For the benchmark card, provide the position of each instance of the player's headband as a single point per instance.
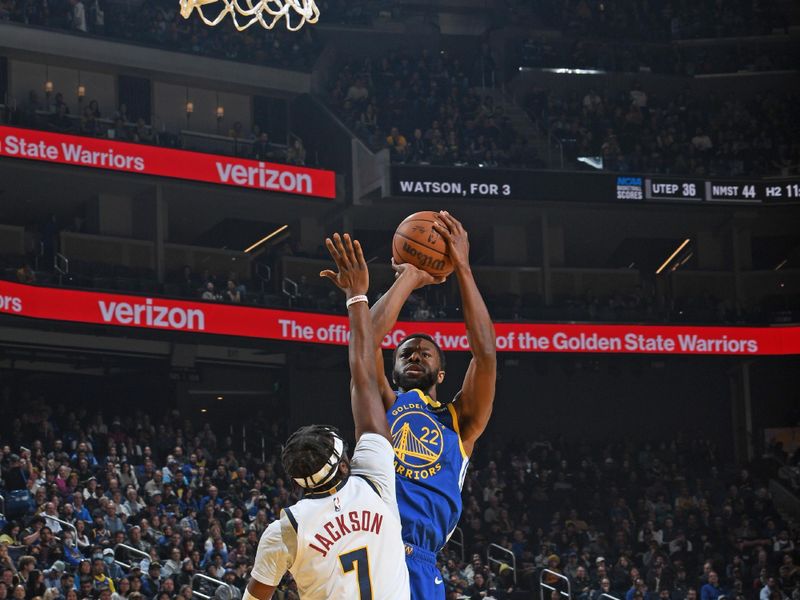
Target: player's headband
(328, 470)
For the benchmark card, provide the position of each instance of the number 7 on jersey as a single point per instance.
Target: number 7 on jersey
(359, 560)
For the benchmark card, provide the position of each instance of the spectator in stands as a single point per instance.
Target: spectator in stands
(58, 102)
(30, 110)
(262, 148)
(34, 585)
(210, 293)
(232, 293)
(397, 144)
(59, 121)
(122, 113)
(89, 125)
(78, 16)
(53, 575)
(296, 155)
(143, 134)
(113, 518)
(94, 109)
(25, 274)
(358, 92)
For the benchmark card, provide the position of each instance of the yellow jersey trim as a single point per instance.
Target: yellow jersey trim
(427, 399)
(453, 414)
(435, 404)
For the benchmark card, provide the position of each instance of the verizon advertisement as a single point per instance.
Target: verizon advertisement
(223, 319)
(165, 162)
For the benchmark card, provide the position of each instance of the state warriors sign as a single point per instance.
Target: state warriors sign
(418, 441)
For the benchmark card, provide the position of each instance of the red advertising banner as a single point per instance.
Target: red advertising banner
(224, 319)
(113, 155)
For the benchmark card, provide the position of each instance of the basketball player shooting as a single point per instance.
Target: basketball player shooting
(433, 437)
(343, 539)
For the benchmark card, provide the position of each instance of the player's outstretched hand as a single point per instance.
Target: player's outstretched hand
(353, 275)
(455, 236)
(423, 278)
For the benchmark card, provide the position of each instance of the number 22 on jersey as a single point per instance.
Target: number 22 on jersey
(359, 560)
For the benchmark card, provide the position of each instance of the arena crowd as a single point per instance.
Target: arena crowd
(133, 506)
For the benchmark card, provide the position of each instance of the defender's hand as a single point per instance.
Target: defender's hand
(421, 277)
(455, 236)
(353, 275)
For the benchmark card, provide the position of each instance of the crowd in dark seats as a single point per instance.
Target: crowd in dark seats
(663, 19)
(688, 132)
(207, 286)
(350, 12)
(118, 124)
(642, 521)
(426, 108)
(669, 521)
(621, 56)
(159, 23)
(174, 492)
(639, 305)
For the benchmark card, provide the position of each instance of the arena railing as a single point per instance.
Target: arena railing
(784, 499)
(217, 583)
(132, 550)
(459, 543)
(263, 274)
(608, 596)
(63, 523)
(496, 561)
(543, 585)
(61, 265)
(290, 289)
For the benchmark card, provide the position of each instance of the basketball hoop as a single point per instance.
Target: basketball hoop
(264, 12)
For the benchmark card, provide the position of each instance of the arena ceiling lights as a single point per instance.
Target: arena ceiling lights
(673, 255)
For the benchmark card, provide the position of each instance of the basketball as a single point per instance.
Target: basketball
(418, 243)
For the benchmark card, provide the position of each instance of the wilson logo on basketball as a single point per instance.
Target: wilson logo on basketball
(423, 259)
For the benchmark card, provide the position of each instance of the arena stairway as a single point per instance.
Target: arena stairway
(521, 122)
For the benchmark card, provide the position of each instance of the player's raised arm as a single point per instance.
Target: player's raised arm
(353, 280)
(475, 400)
(386, 311)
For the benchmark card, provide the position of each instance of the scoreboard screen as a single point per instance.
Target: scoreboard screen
(728, 191)
(528, 185)
(674, 189)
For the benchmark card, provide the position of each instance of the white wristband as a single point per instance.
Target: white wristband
(356, 300)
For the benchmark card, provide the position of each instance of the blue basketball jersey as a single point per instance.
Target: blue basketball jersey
(430, 464)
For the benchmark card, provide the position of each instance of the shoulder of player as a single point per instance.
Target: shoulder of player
(363, 479)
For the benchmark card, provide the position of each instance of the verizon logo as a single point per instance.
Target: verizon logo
(262, 177)
(152, 315)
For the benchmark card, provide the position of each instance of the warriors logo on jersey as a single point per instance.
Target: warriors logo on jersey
(417, 440)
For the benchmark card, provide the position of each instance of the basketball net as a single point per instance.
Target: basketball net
(264, 12)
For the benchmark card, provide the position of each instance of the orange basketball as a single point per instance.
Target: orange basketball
(418, 243)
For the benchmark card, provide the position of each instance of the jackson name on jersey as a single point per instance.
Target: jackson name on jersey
(355, 521)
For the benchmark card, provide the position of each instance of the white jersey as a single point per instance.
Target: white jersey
(345, 543)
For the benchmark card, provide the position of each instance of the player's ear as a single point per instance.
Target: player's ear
(439, 377)
(344, 467)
